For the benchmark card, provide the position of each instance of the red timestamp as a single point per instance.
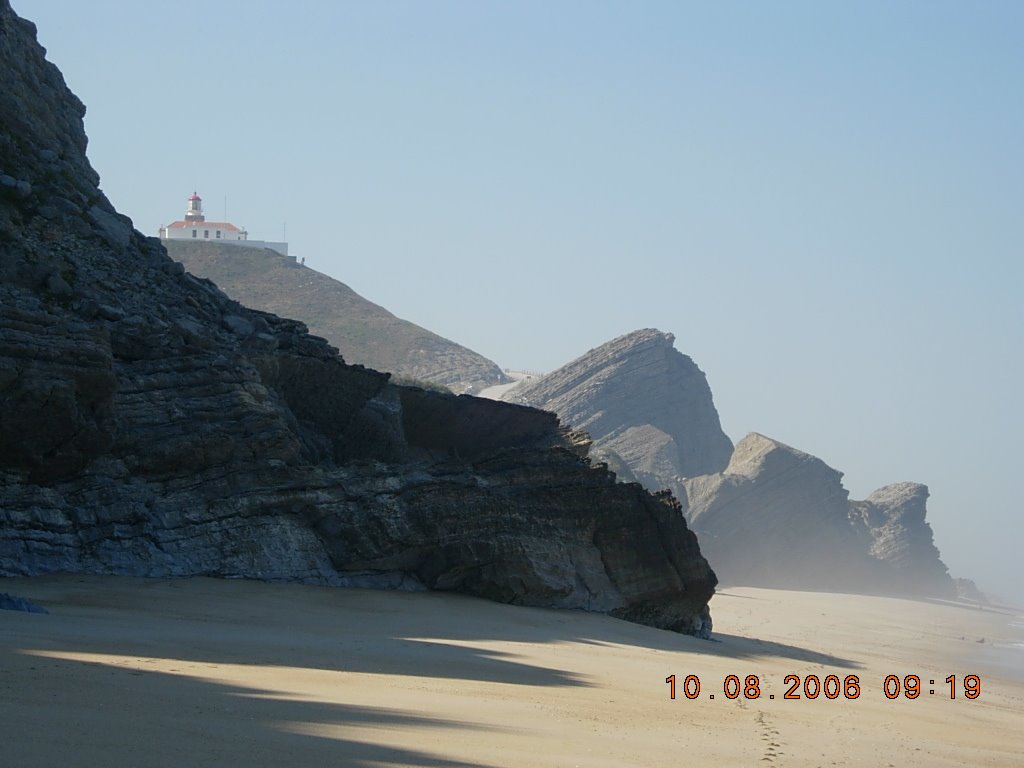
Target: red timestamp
(829, 687)
(911, 686)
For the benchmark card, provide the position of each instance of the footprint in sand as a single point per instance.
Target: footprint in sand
(769, 734)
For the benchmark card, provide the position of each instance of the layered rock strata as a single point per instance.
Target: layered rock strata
(780, 517)
(777, 516)
(891, 522)
(766, 513)
(151, 426)
(647, 407)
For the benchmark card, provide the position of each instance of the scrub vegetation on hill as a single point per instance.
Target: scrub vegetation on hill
(365, 333)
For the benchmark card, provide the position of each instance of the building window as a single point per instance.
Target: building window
(218, 234)
(206, 234)
(193, 233)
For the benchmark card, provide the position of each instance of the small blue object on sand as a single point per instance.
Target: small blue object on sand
(12, 603)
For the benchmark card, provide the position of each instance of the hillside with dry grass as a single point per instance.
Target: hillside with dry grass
(365, 333)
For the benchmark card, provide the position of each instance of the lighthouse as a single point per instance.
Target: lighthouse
(195, 227)
(194, 212)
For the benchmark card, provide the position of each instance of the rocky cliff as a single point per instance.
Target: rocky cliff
(766, 513)
(776, 517)
(150, 425)
(891, 522)
(364, 332)
(779, 517)
(647, 407)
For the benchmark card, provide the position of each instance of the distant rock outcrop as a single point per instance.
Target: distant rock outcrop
(779, 517)
(966, 589)
(892, 523)
(776, 517)
(647, 407)
(766, 513)
(364, 332)
(151, 426)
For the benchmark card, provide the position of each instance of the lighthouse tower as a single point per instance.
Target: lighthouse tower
(194, 212)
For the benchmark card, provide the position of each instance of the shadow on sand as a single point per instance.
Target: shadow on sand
(163, 719)
(203, 623)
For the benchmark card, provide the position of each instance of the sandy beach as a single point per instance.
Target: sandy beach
(133, 672)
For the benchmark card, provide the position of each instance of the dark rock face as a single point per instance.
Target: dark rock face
(151, 426)
(779, 517)
(647, 407)
(364, 332)
(470, 427)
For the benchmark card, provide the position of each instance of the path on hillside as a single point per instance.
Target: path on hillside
(497, 391)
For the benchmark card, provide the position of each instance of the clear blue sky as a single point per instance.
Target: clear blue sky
(823, 201)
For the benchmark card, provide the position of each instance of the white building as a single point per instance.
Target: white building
(196, 227)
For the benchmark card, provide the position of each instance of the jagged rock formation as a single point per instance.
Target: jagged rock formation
(776, 517)
(150, 425)
(364, 332)
(766, 514)
(892, 523)
(647, 407)
(779, 517)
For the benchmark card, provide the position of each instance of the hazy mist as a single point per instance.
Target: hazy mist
(822, 203)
